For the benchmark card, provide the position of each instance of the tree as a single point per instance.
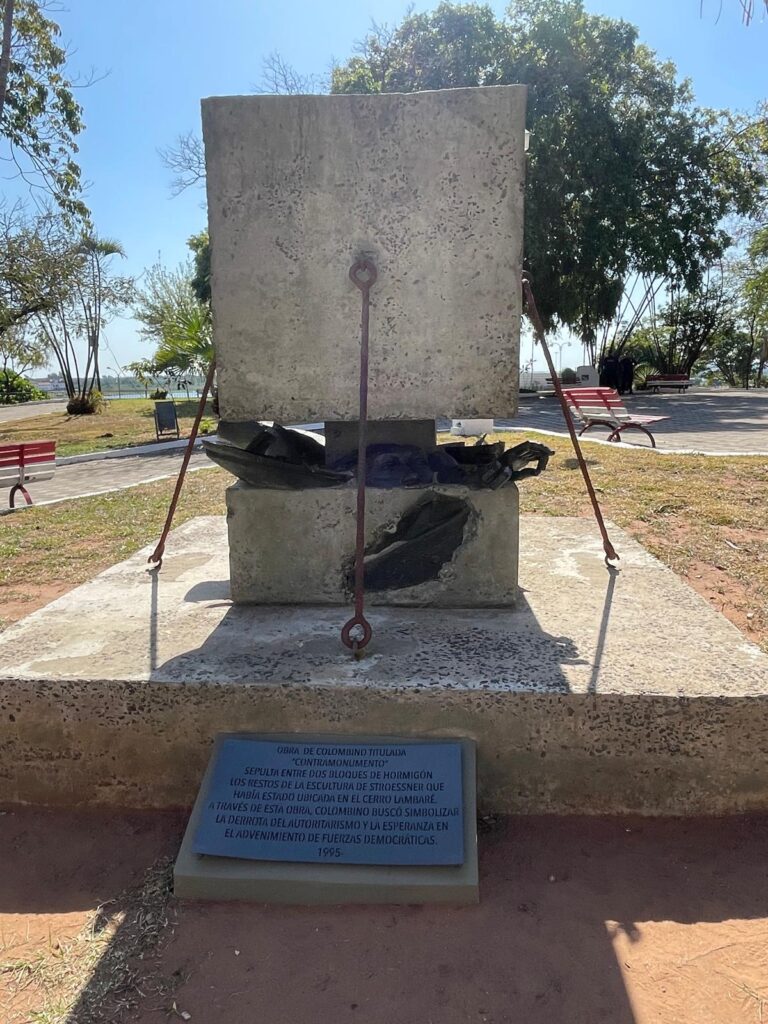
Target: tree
(684, 330)
(753, 272)
(35, 260)
(174, 317)
(733, 353)
(626, 175)
(201, 254)
(748, 9)
(186, 161)
(91, 296)
(39, 116)
(185, 158)
(20, 352)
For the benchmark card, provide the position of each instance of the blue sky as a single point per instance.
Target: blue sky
(162, 56)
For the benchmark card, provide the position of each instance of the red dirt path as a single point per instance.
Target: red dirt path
(581, 921)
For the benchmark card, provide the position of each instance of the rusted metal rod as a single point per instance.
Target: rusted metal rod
(538, 328)
(157, 554)
(363, 275)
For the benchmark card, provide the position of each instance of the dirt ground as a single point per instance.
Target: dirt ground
(581, 921)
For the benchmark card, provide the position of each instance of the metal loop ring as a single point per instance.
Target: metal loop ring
(363, 274)
(355, 643)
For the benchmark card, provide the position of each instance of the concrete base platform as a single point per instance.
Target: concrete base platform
(200, 877)
(601, 692)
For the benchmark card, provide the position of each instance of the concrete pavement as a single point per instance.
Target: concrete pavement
(13, 413)
(87, 478)
(699, 421)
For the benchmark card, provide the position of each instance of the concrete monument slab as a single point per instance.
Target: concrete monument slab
(430, 185)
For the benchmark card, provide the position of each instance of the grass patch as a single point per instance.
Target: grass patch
(125, 422)
(703, 516)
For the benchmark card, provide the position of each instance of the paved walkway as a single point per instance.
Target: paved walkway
(699, 421)
(111, 474)
(12, 413)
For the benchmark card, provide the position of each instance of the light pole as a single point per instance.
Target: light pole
(108, 347)
(117, 371)
(560, 345)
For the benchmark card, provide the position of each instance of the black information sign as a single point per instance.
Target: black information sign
(333, 801)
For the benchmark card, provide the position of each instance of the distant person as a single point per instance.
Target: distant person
(626, 375)
(609, 372)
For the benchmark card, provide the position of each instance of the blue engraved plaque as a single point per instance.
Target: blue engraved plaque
(334, 801)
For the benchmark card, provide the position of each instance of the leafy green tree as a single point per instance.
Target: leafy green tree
(175, 319)
(39, 116)
(15, 389)
(92, 294)
(750, 276)
(733, 353)
(201, 253)
(626, 175)
(35, 261)
(20, 352)
(684, 330)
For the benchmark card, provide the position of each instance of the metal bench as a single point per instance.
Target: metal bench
(656, 381)
(602, 407)
(25, 463)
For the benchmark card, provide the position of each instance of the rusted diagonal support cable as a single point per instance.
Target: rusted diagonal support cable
(538, 327)
(363, 274)
(157, 554)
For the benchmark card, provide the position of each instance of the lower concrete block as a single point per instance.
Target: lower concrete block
(297, 547)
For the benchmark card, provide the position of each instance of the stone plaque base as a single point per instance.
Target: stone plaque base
(199, 876)
(297, 547)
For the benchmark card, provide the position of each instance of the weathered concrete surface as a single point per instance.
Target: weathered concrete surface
(293, 547)
(230, 878)
(602, 693)
(431, 185)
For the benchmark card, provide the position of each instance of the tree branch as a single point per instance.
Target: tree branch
(5, 53)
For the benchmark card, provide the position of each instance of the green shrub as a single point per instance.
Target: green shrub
(87, 405)
(158, 394)
(15, 389)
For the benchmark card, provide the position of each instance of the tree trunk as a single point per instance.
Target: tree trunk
(5, 52)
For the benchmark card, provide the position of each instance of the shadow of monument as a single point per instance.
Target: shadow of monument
(458, 649)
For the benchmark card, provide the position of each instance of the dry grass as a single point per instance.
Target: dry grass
(704, 517)
(125, 422)
(101, 975)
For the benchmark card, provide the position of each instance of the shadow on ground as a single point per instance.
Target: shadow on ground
(581, 920)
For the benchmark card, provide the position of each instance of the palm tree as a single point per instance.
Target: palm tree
(176, 320)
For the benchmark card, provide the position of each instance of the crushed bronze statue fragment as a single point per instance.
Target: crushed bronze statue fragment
(271, 457)
(425, 539)
(284, 459)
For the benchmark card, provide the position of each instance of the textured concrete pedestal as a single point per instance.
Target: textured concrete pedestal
(598, 693)
(297, 547)
(430, 186)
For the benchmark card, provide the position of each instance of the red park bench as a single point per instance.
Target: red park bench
(658, 381)
(602, 407)
(25, 463)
